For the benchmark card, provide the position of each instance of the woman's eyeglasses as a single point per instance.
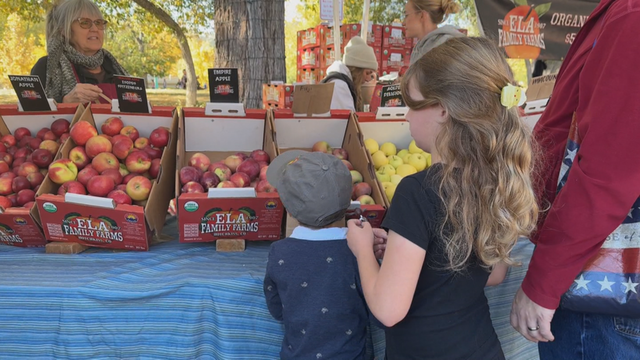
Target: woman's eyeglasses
(86, 23)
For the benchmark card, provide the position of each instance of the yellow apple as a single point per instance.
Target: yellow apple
(406, 170)
(418, 161)
(379, 159)
(371, 145)
(389, 169)
(395, 179)
(395, 161)
(414, 149)
(388, 149)
(428, 156)
(405, 157)
(383, 176)
(389, 189)
(402, 153)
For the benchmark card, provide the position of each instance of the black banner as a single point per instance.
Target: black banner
(391, 96)
(30, 92)
(223, 86)
(132, 94)
(528, 30)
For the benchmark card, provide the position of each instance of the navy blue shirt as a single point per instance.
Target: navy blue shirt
(312, 285)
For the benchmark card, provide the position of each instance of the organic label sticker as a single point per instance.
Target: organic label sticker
(191, 206)
(49, 207)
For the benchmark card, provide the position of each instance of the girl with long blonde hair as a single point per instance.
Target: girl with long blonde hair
(452, 226)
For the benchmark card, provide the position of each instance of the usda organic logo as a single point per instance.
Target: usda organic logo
(191, 206)
(49, 207)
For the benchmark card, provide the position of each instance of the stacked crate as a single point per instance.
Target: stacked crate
(396, 49)
(309, 71)
(277, 96)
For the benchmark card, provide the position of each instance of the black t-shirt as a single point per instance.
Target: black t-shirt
(449, 315)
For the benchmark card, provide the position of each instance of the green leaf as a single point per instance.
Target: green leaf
(521, 2)
(542, 9)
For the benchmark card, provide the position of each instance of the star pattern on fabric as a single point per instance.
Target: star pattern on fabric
(329, 260)
(318, 356)
(606, 284)
(304, 284)
(571, 154)
(353, 286)
(269, 288)
(324, 310)
(280, 262)
(349, 332)
(630, 286)
(582, 283)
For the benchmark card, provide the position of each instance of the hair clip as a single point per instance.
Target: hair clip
(512, 95)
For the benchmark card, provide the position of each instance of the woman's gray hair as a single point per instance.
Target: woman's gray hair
(61, 17)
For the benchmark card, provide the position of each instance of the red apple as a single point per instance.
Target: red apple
(115, 175)
(141, 143)
(82, 131)
(4, 167)
(8, 174)
(347, 163)
(79, 157)
(117, 138)
(138, 188)
(242, 156)
(360, 189)
(61, 171)
(192, 187)
(100, 185)
(50, 145)
(120, 197)
(122, 148)
(3, 148)
(263, 173)
(14, 199)
(8, 140)
(226, 184)
(223, 172)
(260, 155)
(21, 132)
(232, 162)
(73, 187)
(340, 153)
(17, 162)
(5, 203)
(97, 145)
(154, 170)
(6, 157)
(12, 149)
(42, 158)
(209, 180)
(128, 178)
(60, 127)
(249, 167)
(240, 179)
(200, 161)
(263, 186)
(122, 187)
(112, 126)
(24, 142)
(20, 183)
(321, 146)
(86, 174)
(25, 196)
(189, 173)
(29, 205)
(123, 170)
(159, 137)
(131, 132)
(34, 143)
(27, 168)
(49, 135)
(64, 138)
(36, 188)
(138, 162)
(23, 152)
(35, 179)
(105, 161)
(40, 134)
(154, 153)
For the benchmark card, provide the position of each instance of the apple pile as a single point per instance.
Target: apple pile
(24, 160)
(235, 171)
(361, 190)
(117, 164)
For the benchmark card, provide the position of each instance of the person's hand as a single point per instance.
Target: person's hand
(379, 242)
(83, 93)
(359, 237)
(527, 315)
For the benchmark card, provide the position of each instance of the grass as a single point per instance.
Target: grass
(157, 97)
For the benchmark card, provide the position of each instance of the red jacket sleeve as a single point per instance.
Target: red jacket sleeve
(604, 180)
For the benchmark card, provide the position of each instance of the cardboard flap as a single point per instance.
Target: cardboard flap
(304, 132)
(396, 132)
(222, 134)
(541, 87)
(312, 100)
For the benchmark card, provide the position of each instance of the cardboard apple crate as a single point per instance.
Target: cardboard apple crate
(393, 60)
(393, 37)
(308, 38)
(279, 96)
(309, 58)
(382, 131)
(226, 213)
(89, 220)
(19, 226)
(374, 35)
(340, 130)
(310, 76)
(327, 39)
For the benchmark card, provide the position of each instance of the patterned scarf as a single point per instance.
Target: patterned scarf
(60, 76)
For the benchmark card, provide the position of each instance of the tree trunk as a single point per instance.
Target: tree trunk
(250, 37)
(192, 85)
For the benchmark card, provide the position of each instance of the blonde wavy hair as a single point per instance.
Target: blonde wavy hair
(486, 151)
(438, 10)
(357, 75)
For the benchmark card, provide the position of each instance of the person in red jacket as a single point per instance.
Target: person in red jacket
(592, 127)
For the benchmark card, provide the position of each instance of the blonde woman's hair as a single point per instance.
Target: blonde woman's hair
(357, 75)
(486, 151)
(61, 16)
(438, 10)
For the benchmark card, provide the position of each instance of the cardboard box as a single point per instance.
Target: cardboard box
(327, 57)
(232, 214)
(127, 227)
(279, 96)
(309, 58)
(20, 226)
(382, 131)
(538, 94)
(339, 130)
(310, 76)
(374, 35)
(393, 60)
(308, 38)
(393, 37)
(326, 37)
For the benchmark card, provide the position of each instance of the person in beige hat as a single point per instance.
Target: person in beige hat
(358, 66)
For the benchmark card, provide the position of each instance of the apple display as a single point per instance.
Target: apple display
(138, 188)
(79, 157)
(97, 145)
(82, 131)
(159, 137)
(105, 161)
(200, 161)
(249, 167)
(60, 127)
(120, 197)
(188, 173)
(73, 187)
(112, 126)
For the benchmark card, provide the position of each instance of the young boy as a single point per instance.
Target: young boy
(311, 282)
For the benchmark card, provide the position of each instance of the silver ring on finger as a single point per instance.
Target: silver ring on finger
(533, 329)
